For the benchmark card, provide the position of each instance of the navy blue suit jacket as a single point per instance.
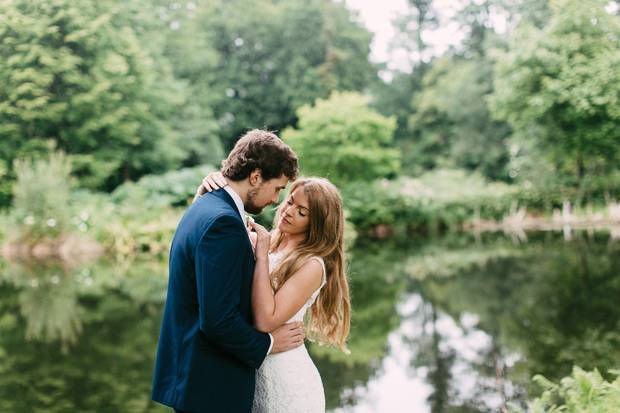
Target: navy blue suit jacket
(208, 351)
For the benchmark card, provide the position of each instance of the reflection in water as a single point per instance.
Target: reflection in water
(435, 323)
(376, 288)
(51, 314)
(432, 365)
(486, 315)
(47, 301)
(397, 388)
(75, 339)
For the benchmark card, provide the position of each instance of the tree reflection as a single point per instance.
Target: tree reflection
(551, 305)
(458, 380)
(53, 294)
(568, 313)
(51, 315)
(440, 283)
(81, 343)
(377, 281)
(439, 362)
(47, 300)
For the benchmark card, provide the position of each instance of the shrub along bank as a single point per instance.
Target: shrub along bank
(142, 216)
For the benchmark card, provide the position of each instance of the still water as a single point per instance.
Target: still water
(452, 324)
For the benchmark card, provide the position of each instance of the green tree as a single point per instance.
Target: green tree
(273, 57)
(419, 16)
(452, 120)
(190, 48)
(535, 12)
(478, 19)
(394, 99)
(343, 139)
(77, 72)
(395, 96)
(560, 85)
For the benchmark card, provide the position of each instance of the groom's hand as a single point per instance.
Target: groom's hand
(288, 336)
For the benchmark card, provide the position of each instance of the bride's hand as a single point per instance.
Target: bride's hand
(213, 181)
(263, 239)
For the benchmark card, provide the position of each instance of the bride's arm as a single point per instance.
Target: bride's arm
(271, 311)
(213, 181)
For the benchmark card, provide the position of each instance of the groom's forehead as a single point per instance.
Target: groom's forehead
(280, 182)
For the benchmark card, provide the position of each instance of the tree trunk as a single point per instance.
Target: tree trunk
(126, 172)
(578, 168)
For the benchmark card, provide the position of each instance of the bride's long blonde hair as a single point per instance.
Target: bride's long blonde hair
(330, 315)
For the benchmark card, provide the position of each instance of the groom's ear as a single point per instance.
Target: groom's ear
(256, 177)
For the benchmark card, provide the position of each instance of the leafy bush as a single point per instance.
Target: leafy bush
(443, 198)
(174, 188)
(448, 198)
(582, 391)
(41, 206)
(141, 216)
(343, 139)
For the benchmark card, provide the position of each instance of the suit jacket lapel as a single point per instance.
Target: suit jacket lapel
(226, 197)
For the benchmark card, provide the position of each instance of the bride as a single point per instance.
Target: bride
(300, 268)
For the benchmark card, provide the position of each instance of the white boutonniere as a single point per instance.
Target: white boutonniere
(248, 228)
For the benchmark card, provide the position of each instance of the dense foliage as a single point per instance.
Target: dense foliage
(79, 73)
(130, 88)
(452, 121)
(273, 57)
(582, 391)
(147, 87)
(343, 139)
(559, 86)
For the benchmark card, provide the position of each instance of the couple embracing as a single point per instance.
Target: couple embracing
(233, 328)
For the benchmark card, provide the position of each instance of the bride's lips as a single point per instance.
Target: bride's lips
(285, 220)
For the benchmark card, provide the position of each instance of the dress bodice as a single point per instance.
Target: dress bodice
(274, 258)
(289, 382)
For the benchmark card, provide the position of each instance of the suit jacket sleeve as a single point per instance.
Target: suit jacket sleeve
(219, 272)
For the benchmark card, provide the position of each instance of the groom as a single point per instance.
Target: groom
(208, 351)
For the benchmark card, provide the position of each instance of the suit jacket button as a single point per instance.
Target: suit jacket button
(251, 362)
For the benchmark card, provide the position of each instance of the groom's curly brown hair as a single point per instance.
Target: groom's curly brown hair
(263, 150)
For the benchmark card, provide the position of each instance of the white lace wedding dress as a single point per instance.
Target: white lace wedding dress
(289, 382)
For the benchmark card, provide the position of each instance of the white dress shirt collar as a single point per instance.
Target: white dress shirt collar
(238, 202)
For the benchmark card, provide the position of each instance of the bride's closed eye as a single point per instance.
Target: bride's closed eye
(288, 201)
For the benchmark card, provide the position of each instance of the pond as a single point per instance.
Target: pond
(451, 324)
